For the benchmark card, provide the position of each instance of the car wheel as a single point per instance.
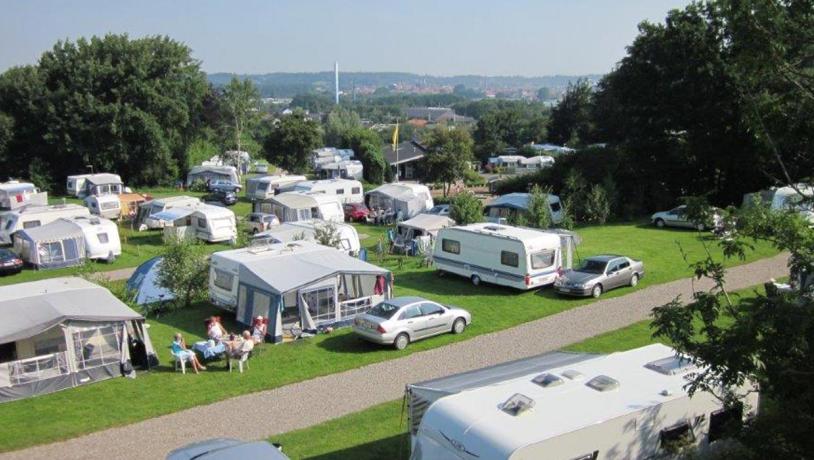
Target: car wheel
(401, 342)
(458, 326)
(659, 223)
(475, 280)
(634, 280)
(596, 291)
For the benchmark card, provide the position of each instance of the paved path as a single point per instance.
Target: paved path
(120, 274)
(313, 401)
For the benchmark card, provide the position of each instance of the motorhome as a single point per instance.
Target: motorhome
(210, 223)
(506, 208)
(347, 238)
(261, 188)
(149, 208)
(102, 240)
(348, 191)
(296, 206)
(345, 169)
(517, 257)
(799, 198)
(15, 194)
(300, 284)
(405, 198)
(631, 404)
(34, 216)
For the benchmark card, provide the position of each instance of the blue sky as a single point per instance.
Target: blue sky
(452, 37)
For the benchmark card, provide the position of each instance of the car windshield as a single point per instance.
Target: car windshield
(592, 266)
(383, 310)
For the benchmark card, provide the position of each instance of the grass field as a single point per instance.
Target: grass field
(94, 407)
(381, 431)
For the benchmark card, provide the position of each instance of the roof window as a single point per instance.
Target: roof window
(572, 374)
(603, 383)
(671, 365)
(547, 380)
(517, 404)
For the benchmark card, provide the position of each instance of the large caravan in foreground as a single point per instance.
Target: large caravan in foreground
(521, 258)
(35, 216)
(631, 404)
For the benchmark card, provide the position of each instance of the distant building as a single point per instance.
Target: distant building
(406, 163)
(421, 116)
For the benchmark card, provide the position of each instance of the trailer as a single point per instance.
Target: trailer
(102, 240)
(265, 187)
(35, 216)
(15, 194)
(347, 238)
(297, 206)
(348, 191)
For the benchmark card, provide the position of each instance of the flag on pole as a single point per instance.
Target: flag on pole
(396, 136)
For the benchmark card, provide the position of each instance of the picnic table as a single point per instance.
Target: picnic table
(210, 351)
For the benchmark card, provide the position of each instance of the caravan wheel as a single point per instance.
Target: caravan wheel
(110, 258)
(475, 280)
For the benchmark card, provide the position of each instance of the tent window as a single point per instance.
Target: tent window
(71, 250)
(223, 279)
(8, 352)
(49, 346)
(321, 304)
(51, 252)
(509, 258)
(261, 303)
(97, 347)
(451, 246)
(31, 224)
(102, 238)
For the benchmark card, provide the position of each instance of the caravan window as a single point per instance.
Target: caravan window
(340, 191)
(676, 435)
(201, 222)
(555, 206)
(356, 190)
(451, 246)
(102, 237)
(223, 279)
(31, 224)
(542, 259)
(509, 258)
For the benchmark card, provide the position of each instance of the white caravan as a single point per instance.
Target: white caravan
(213, 224)
(150, 208)
(261, 188)
(107, 206)
(786, 198)
(345, 169)
(15, 194)
(75, 184)
(102, 240)
(517, 257)
(506, 207)
(348, 191)
(405, 198)
(347, 236)
(35, 216)
(631, 404)
(296, 206)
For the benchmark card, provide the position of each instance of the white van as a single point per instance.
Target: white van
(15, 194)
(102, 240)
(296, 206)
(348, 237)
(264, 187)
(107, 206)
(35, 216)
(521, 258)
(149, 208)
(348, 191)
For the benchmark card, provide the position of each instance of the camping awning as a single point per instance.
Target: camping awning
(428, 222)
(511, 201)
(28, 309)
(55, 231)
(173, 214)
(296, 200)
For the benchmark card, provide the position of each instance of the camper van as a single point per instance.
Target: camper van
(631, 404)
(505, 208)
(149, 208)
(348, 191)
(107, 206)
(347, 237)
(405, 198)
(34, 216)
(15, 194)
(213, 224)
(265, 187)
(296, 206)
(521, 258)
(101, 238)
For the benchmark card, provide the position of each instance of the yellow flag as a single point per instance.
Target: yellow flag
(396, 136)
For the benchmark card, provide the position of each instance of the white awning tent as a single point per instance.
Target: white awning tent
(56, 245)
(143, 284)
(66, 332)
(212, 173)
(409, 199)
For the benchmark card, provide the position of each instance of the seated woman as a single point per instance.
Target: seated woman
(259, 329)
(179, 349)
(215, 329)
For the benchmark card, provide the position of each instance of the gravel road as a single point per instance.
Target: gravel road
(313, 401)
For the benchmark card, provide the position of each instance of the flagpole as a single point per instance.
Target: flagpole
(396, 148)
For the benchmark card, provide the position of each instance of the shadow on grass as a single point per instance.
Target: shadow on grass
(394, 447)
(349, 344)
(449, 284)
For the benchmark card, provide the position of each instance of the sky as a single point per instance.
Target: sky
(446, 37)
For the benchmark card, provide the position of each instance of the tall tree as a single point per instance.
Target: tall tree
(449, 153)
(240, 102)
(290, 142)
(466, 208)
(339, 122)
(571, 122)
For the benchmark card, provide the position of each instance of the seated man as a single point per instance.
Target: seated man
(179, 349)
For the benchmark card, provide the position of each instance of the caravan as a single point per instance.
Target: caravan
(209, 174)
(107, 206)
(348, 191)
(405, 198)
(265, 187)
(82, 185)
(347, 238)
(213, 224)
(15, 194)
(296, 206)
(631, 404)
(102, 240)
(345, 169)
(35, 216)
(150, 208)
(521, 258)
(506, 208)
(782, 198)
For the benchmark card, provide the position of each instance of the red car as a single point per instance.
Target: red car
(356, 211)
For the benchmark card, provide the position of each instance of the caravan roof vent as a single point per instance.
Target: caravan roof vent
(517, 404)
(547, 380)
(494, 228)
(571, 374)
(671, 365)
(603, 383)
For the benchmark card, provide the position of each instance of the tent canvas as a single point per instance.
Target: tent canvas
(143, 283)
(212, 173)
(407, 199)
(56, 245)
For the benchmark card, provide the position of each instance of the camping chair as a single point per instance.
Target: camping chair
(179, 362)
(243, 358)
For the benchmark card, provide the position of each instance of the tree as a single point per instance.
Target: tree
(597, 207)
(367, 146)
(314, 103)
(290, 142)
(466, 208)
(199, 151)
(449, 153)
(539, 209)
(340, 122)
(240, 101)
(544, 94)
(6, 134)
(571, 122)
(508, 125)
(184, 270)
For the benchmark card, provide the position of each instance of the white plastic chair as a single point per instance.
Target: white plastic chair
(179, 362)
(244, 358)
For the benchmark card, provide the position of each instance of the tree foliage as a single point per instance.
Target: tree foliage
(449, 153)
(184, 270)
(539, 208)
(508, 126)
(367, 146)
(339, 122)
(571, 120)
(240, 100)
(290, 142)
(465, 208)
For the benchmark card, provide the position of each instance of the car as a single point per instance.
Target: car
(10, 263)
(439, 210)
(224, 185)
(600, 274)
(228, 448)
(221, 197)
(261, 221)
(677, 217)
(355, 212)
(402, 320)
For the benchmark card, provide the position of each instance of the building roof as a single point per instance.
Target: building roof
(428, 113)
(474, 417)
(408, 151)
(30, 308)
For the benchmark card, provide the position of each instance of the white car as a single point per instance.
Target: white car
(439, 210)
(677, 217)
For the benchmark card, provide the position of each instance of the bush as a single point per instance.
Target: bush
(539, 214)
(466, 208)
(184, 271)
(596, 208)
(473, 179)
(198, 185)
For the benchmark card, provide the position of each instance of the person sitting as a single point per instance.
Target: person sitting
(240, 346)
(180, 350)
(259, 330)
(215, 329)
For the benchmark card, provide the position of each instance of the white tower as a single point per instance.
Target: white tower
(336, 81)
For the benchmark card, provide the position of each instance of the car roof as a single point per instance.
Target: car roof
(7, 252)
(406, 300)
(604, 257)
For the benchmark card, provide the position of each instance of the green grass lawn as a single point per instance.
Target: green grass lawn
(94, 407)
(381, 431)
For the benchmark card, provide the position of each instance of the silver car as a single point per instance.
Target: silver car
(403, 320)
(677, 217)
(599, 274)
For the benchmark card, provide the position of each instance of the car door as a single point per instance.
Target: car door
(612, 275)
(625, 272)
(435, 318)
(673, 218)
(412, 319)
